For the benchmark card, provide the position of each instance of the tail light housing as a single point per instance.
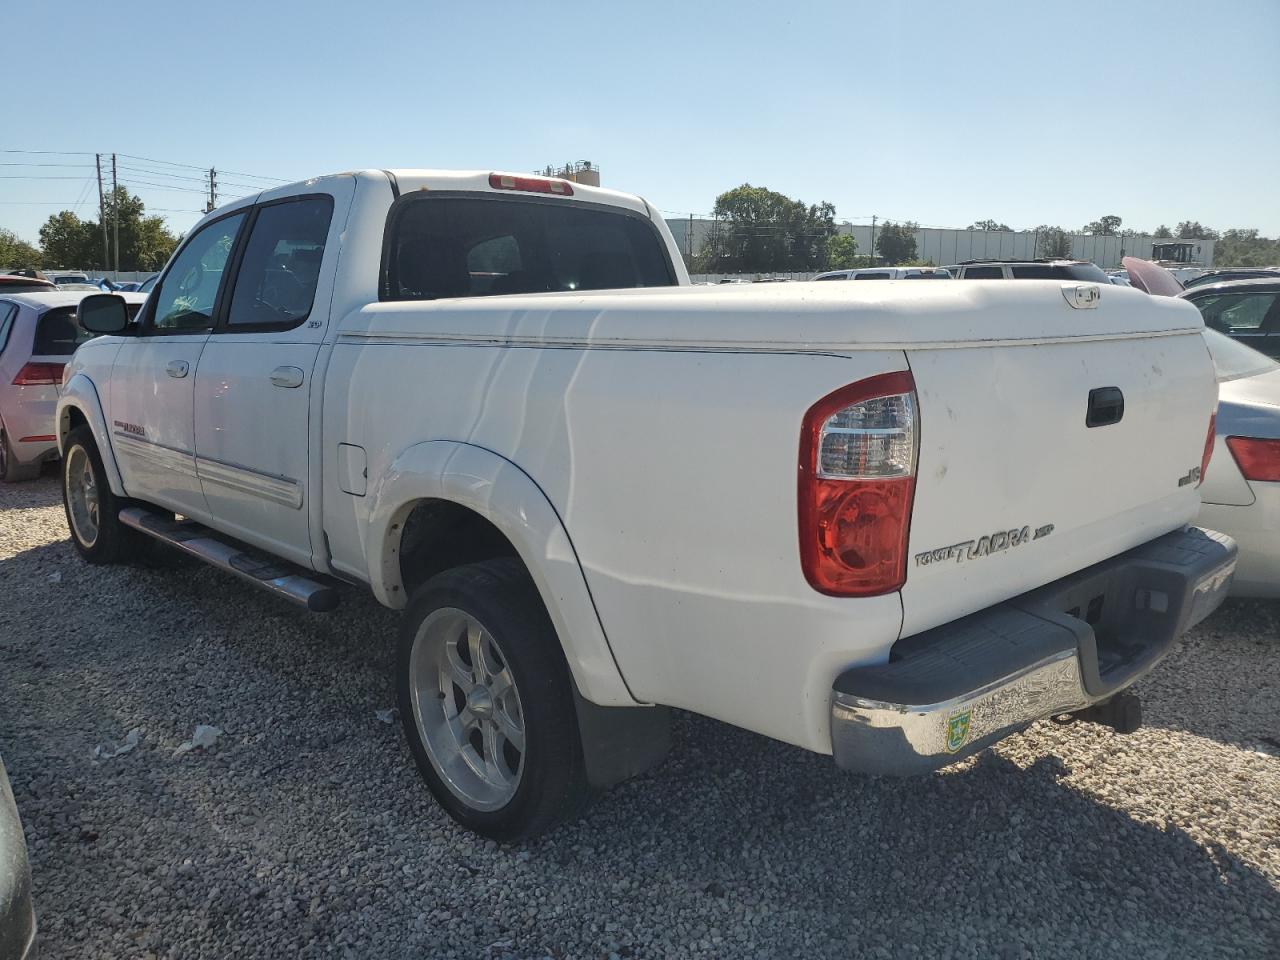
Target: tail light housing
(1258, 459)
(1210, 437)
(857, 476)
(34, 373)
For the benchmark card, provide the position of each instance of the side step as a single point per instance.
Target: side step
(277, 576)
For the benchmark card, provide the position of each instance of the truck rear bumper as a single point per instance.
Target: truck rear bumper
(956, 689)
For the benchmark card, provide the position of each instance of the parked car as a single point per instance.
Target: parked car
(1245, 310)
(887, 273)
(146, 285)
(1241, 493)
(126, 286)
(13, 283)
(1239, 273)
(38, 335)
(446, 387)
(61, 278)
(1041, 269)
(17, 916)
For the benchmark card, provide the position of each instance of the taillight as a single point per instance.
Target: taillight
(507, 181)
(857, 483)
(1257, 459)
(1208, 445)
(32, 374)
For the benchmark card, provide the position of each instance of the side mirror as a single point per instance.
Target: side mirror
(103, 313)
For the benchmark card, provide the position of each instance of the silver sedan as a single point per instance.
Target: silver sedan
(1241, 491)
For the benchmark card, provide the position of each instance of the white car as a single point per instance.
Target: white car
(1241, 491)
(38, 335)
(868, 520)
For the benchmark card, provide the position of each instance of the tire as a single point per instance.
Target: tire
(466, 743)
(11, 471)
(92, 509)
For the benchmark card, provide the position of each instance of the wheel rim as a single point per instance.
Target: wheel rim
(467, 708)
(82, 496)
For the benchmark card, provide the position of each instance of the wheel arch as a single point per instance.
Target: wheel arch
(79, 405)
(490, 497)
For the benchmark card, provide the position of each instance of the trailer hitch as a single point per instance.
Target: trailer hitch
(1122, 713)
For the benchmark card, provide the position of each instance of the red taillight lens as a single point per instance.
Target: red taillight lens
(1258, 459)
(32, 374)
(507, 181)
(1211, 436)
(857, 484)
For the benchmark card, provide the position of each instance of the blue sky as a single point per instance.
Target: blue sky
(1025, 112)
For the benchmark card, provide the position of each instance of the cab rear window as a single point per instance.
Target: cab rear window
(479, 246)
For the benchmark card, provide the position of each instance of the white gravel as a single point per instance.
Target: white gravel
(302, 830)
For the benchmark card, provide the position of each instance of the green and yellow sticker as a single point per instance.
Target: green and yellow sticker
(958, 727)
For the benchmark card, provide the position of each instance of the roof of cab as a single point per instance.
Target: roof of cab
(477, 181)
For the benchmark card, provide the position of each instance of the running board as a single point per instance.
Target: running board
(274, 575)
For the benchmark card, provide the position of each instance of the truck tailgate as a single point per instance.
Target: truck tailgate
(1014, 489)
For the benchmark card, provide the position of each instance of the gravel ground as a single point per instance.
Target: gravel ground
(305, 831)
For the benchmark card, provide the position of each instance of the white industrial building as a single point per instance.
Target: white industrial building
(952, 246)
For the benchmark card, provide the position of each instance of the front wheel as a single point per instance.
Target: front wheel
(487, 702)
(92, 509)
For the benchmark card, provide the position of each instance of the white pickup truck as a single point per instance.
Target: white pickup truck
(890, 522)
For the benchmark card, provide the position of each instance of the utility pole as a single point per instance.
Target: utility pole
(213, 191)
(873, 239)
(102, 209)
(688, 240)
(115, 211)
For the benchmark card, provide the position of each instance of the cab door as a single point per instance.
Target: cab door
(152, 380)
(254, 382)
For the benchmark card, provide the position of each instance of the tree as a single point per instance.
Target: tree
(145, 242)
(989, 225)
(896, 242)
(1052, 242)
(1195, 230)
(758, 230)
(1242, 247)
(1162, 232)
(1105, 226)
(842, 253)
(68, 241)
(16, 253)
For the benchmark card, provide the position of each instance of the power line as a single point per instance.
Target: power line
(15, 163)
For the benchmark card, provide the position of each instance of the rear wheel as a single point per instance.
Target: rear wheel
(92, 509)
(11, 471)
(487, 703)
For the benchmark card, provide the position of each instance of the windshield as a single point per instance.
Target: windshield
(1233, 360)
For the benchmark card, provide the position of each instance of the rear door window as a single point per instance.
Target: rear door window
(275, 286)
(480, 246)
(874, 275)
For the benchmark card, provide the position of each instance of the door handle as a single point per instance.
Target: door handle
(177, 368)
(286, 377)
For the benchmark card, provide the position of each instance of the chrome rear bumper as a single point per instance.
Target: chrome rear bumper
(954, 690)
